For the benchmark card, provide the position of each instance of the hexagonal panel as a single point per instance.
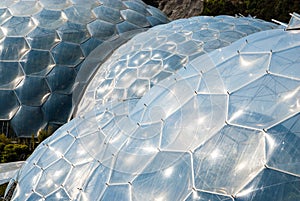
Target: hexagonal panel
(43, 39)
(25, 8)
(27, 121)
(56, 4)
(101, 29)
(67, 54)
(235, 153)
(108, 14)
(9, 104)
(11, 74)
(33, 91)
(50, 19)
(75, 33)
(135, 18)
(38, 62)
(12, 48)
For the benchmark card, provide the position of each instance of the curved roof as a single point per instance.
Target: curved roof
(156, 54)
(43, 44)
(224, 127)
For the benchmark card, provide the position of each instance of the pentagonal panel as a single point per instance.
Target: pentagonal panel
(18, 26)
(75, 33)
(38, 62)
(283, 145)
(68, 54)
(101, 29)
(11, 75)
(9, 104)
(13, 48)
(50, 19)
(61, 79)
(27, 121)
(25, 8)
(33, 91)
(43, 39)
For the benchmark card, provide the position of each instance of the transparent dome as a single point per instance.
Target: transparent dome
(43, 44)
(225, 127)
(156, 54)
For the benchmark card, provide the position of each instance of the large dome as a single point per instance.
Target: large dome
(43, 43)
(156, 54)
(225, 127)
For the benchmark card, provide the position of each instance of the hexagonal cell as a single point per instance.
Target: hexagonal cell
(126, 78)
(25, 8)
(13, 48)
(9, 104)
(11, 75)
(221, 26)
(89, 45)
(71, 32)
(275, 98)
(283, 145)
(33, 91)
(205, 35)
(61, 79)
(56, 4)
(58, 108)
(108, 14)
(101, 29)
(51, 179)
(27, 121)
(50, 19)
(139, 7)
(163, 173)
(4, 15)
(38, 63)
(139, 58)
(18, 26)
(67, 54)
(135, 18)
(126, 26)
(235, 153)
(270, 184)
(116, 4)
(79, 14)
(43, 39)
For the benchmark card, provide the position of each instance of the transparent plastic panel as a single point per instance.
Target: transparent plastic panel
(235, 153)
(11, 75)
(27, 121)
(108, 14)
(56, 4)
(270, 184)
(79, 14)
(123, 27)
(18, 26)
(135, 18)
(101, 29)
(13, 49)
(117, 192)
(282, 145)
(9, 104)
(38, 63)
(74, 33)
(25, 8)
(205, 196)
(43, 39)
(50, 19)
(116, 4)
(63, 56)
(264, 102)
(137, 6)
(33, 91)
(163, 173)
(58, 195)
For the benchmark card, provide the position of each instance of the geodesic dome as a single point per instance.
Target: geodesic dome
(223, 128)
(43, 43)
(156, 54)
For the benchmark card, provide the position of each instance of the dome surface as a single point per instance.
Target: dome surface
(225, 127)
(43, 44)
(156, 54)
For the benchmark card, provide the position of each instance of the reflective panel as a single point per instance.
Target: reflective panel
(42, 46)
(158, 53)
(181, 140)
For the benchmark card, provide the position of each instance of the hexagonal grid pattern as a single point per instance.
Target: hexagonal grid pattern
(156, 54)
(43, 44)
(218, 129)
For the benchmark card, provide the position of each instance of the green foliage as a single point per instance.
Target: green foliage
(14, 152)
(264, 9)
(4, 139)
(2, 189)
(43, 134)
